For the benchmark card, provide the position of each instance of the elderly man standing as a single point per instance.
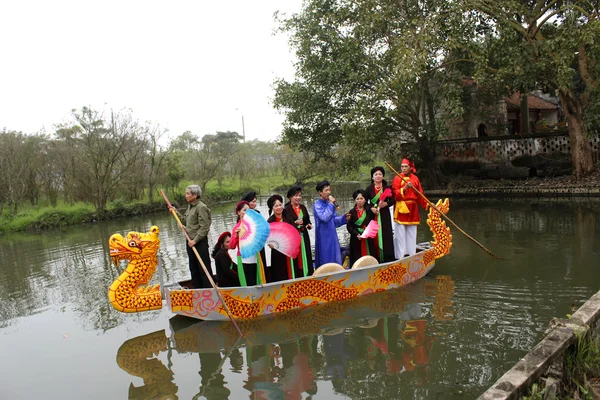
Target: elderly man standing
(197, 221)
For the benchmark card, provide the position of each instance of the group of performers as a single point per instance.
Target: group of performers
(395, 239)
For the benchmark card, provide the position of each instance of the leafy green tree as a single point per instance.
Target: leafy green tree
(544, 43)
(371, 75)
(206, 158)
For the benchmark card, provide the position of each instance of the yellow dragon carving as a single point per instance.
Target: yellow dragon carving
(442, 238)
(126, 293)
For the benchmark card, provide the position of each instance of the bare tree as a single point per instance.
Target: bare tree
(156, 157)
(16, 153)
(106, 149)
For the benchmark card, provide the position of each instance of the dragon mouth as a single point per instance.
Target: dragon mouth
(114, 257)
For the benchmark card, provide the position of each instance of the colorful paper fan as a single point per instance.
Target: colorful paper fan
(284, 238)
(254, 234)
(371, 230)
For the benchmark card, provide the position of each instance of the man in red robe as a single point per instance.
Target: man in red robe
(406, 210)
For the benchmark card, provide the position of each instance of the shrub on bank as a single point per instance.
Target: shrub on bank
(47, 217)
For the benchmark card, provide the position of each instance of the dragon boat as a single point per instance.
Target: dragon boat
(139, 356)
(130, 293)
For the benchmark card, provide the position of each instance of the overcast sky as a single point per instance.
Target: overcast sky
(185, 64)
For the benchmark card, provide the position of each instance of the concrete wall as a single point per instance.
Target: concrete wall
(546, 358)
(542, 151)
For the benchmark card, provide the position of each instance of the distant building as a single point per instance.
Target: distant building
(486, 115)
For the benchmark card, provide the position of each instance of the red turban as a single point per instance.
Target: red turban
(406, 161)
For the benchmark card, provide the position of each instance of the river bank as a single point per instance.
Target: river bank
(40, 218)
(46, 217)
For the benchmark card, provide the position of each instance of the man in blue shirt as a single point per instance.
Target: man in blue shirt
(327, 244)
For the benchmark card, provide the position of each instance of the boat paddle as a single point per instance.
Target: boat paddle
(208, 275)
(447, 218)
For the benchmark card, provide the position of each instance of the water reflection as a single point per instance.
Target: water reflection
(290, 355)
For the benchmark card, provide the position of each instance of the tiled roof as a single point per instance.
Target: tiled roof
(535, 102)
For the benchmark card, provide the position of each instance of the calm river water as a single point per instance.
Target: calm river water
(449, 336)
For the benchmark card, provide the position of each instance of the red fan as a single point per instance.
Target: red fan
(284, 238)
(371, 230)
(386, 193)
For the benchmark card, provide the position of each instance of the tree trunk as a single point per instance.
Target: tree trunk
(525, 114)
(581, 151)
(430, 174)
(151, 192)
(101, 207)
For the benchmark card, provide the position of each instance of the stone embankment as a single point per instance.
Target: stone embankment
(542, 187)
(546, 358)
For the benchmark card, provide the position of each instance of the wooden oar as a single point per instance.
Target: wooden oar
(444, 215)
(208, 275)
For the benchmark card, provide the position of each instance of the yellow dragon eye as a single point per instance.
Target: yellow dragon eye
(132, 243)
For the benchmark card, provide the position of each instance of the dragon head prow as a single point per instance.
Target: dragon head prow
(135, 245)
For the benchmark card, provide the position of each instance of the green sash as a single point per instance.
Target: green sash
(360, 230)
(380, 232)
(241, 272)
(302, 250)
(360, 221)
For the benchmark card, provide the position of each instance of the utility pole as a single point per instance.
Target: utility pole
(243, 129)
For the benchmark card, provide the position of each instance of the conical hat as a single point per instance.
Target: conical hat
(365, 261)
(329, 267)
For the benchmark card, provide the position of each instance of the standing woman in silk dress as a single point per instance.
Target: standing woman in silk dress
(379, 201)
(280, 263)
(296, 214)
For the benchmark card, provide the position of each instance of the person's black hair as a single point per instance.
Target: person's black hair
(271, 202)
(219, 243)
(249, 196)
(322, 185)
(357, 192)
(293, 190)
(375, 169)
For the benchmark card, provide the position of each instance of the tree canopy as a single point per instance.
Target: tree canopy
(373, 74)
(548, 44)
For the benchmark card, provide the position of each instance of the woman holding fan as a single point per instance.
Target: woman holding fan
(280, 263)
(379, 196)
(247, 270)
(296, 214)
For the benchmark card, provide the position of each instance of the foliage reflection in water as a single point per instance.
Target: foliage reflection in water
(286, 356)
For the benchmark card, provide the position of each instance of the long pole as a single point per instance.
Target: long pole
(443, 215)
(208, 275)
